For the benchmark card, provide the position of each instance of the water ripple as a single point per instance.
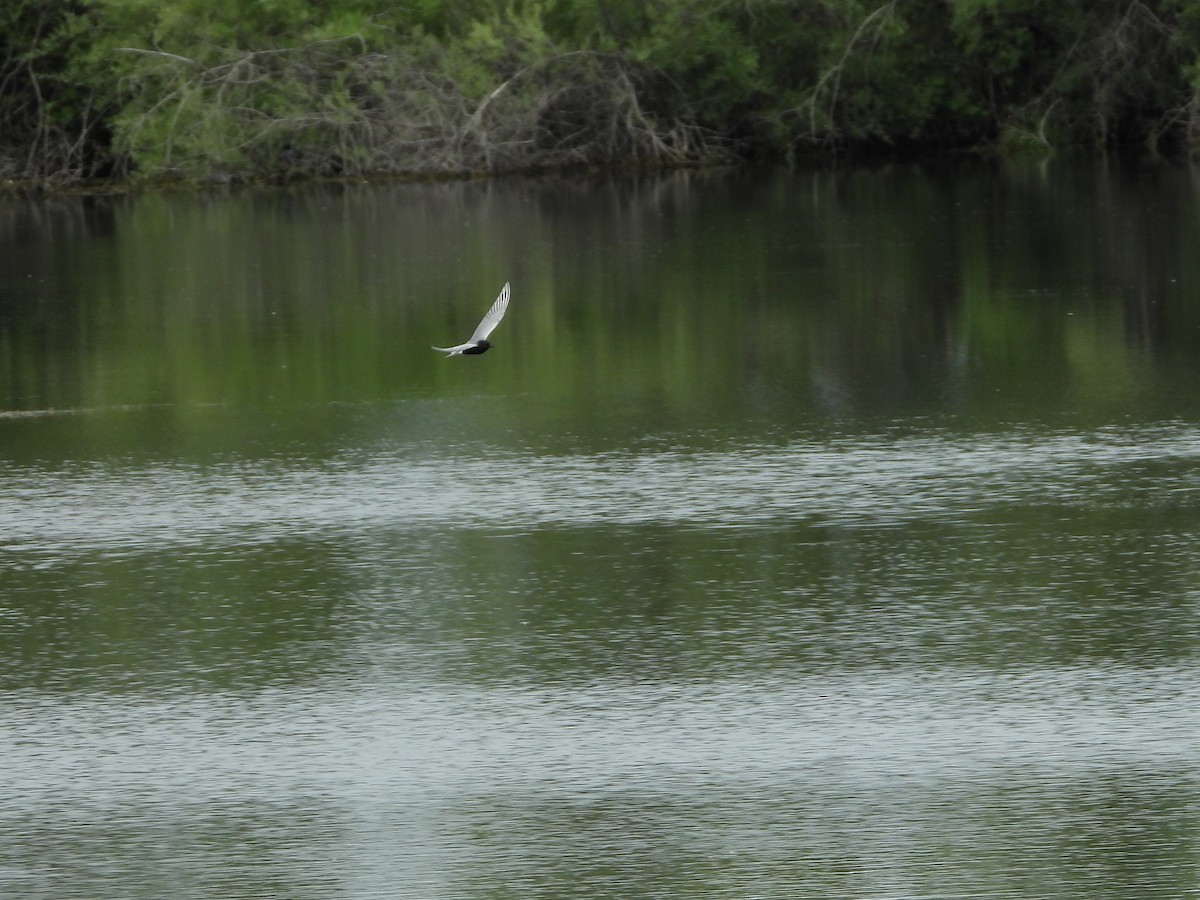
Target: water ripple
(873, 481)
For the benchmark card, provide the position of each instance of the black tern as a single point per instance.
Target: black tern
(479, 342)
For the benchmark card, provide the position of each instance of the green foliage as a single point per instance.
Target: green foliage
(233, 89)
(49, 123)
(711, 54)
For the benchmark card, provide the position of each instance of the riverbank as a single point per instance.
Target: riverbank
(114, 92)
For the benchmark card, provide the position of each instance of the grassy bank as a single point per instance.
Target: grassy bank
(234, 89)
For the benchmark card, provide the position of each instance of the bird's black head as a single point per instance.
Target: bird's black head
(480, 347)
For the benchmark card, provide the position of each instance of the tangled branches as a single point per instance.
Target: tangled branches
(358, 88)
(333, 108)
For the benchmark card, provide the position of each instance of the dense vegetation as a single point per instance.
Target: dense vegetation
(234, 89)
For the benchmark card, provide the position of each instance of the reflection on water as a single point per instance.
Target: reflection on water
(742, 567)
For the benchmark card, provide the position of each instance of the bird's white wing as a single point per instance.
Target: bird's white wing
(493, 317)
(458, 348)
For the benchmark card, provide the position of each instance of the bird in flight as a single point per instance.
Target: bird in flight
(479, 342)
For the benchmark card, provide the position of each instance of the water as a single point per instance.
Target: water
(804, 536)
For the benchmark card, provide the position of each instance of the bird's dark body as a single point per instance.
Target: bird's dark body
(478, 342)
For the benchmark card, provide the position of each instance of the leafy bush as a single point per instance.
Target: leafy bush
(229, 89)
